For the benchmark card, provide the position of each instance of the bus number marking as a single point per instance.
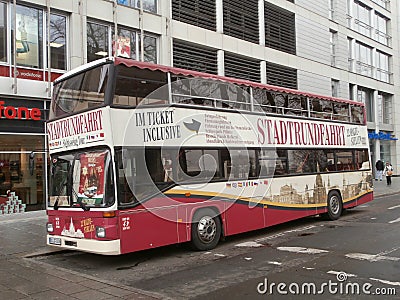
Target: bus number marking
(126, 224)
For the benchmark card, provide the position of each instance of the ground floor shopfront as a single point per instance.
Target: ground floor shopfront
(23, 157)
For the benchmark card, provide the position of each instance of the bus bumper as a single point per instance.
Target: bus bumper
(93, 246)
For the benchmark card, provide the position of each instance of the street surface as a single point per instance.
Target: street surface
(351, 258)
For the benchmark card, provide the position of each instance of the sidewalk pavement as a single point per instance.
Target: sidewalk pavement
(24, 235)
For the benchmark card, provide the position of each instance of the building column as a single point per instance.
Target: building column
(263, 70)
(220, 62)
(261, 22)
(219, 11)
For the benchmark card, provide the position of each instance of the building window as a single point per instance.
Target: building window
(363, 59)
(350, 54)
(362, 18)
(148, 5)
(331, 9)
(194, 57)
(381, 31)
(242, 67)
(333, 40)
(366, 96)
(281, 76)
(3, 32)
(335, 87)
(149, 48)
(97, 41)
(126, 44)
(386, 108)
(241, 19)
(57, 40)
(280, 29)
(200, 13)
(385, 150)
(382, 67)
(29, 37)
(383, 3)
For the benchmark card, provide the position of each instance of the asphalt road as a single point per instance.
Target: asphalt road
(308, 258)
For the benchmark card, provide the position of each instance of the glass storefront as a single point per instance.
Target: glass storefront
(20, 171)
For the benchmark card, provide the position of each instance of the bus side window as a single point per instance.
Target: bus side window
(344, 160)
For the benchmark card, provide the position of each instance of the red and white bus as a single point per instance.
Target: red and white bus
(145, 155)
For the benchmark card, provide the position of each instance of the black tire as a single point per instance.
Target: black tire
(206, 230)
(335, 206)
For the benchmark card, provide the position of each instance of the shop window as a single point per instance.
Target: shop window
(57, 40)
(29, 37)
(20, 174)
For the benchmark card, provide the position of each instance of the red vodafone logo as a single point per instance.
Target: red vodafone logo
(20, 113)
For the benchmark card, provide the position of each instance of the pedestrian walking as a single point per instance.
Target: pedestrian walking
(388, 173)
(379, 170)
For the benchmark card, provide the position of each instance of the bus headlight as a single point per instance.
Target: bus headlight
(100, 232)
(50, 227)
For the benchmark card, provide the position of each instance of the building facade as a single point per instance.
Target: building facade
(341, 48)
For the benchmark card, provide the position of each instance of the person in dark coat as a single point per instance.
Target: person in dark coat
(379, 170)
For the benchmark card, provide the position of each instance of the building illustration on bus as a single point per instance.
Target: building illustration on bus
(144, 155)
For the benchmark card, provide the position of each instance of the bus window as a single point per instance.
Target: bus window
(241, 164)
(341, 111)
(307, 161)
(362, 161)
(263, 101)
(201, 164)
(357, 114)
(297, 106)
(330, 157)
(131, 89)
(344, 160)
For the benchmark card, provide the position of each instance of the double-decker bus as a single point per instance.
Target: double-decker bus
(144, 155)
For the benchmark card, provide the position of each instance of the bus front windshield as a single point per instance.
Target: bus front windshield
(81, 179)
(81, 91)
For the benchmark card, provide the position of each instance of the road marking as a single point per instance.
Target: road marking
(394, 207)
(308, 268)
(270, 237)
(249, 244)
(300, 229)
(373, 218)
(219, 255)
(371, 257)
(386, 281)
(341, 272)
(302, 250)
(274, 263)
(394, 221)
(248, 258)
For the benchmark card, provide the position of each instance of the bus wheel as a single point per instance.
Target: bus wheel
(335, 206)
(206, 230)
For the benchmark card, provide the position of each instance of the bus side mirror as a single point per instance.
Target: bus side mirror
(31, 162)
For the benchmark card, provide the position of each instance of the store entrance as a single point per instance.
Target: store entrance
(22, 179)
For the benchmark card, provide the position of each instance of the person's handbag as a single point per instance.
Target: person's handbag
(389, 173)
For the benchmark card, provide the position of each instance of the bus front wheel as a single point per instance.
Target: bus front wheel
(335, 206)
(206, 230)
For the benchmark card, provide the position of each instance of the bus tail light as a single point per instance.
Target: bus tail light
(50, 227)
(100, 232)
(109, 214)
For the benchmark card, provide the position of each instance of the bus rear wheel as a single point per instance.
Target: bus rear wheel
(335, 206)
(206, 230)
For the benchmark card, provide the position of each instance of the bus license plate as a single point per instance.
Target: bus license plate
(55, 241)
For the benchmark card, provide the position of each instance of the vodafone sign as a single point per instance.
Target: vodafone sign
(19, 113)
